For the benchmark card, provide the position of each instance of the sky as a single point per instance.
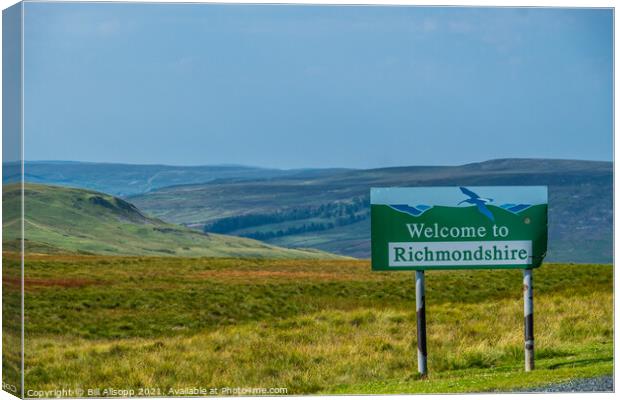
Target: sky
(315, 86)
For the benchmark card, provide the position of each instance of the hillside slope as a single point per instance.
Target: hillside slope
(331, 211)
(128, 179)
(62, 219)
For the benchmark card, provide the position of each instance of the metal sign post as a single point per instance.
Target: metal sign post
(421, 321)
(528, 320)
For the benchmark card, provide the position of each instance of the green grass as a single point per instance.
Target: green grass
(11, 324)
(329, 326)
(60, 219)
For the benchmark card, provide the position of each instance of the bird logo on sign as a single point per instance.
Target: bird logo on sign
(479, 202)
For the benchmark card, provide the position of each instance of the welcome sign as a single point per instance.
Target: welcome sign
(459, 227)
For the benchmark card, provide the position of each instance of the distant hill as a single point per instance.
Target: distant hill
(128, 179)
(330, 211)
(60, 219)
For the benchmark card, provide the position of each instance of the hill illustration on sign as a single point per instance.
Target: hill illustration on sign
(458, 227)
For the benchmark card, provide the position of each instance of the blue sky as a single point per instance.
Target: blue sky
(315, 86)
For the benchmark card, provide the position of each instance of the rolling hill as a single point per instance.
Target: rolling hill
(330, 211)
(68, 220)
(128, 179)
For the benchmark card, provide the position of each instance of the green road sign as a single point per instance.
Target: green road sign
(429, 228)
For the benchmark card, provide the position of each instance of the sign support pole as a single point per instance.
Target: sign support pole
(528, 312)
(421, 321)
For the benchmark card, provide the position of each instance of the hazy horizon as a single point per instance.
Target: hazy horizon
(323, 167)
(310, 86)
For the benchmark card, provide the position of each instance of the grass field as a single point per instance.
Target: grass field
(311, 326)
